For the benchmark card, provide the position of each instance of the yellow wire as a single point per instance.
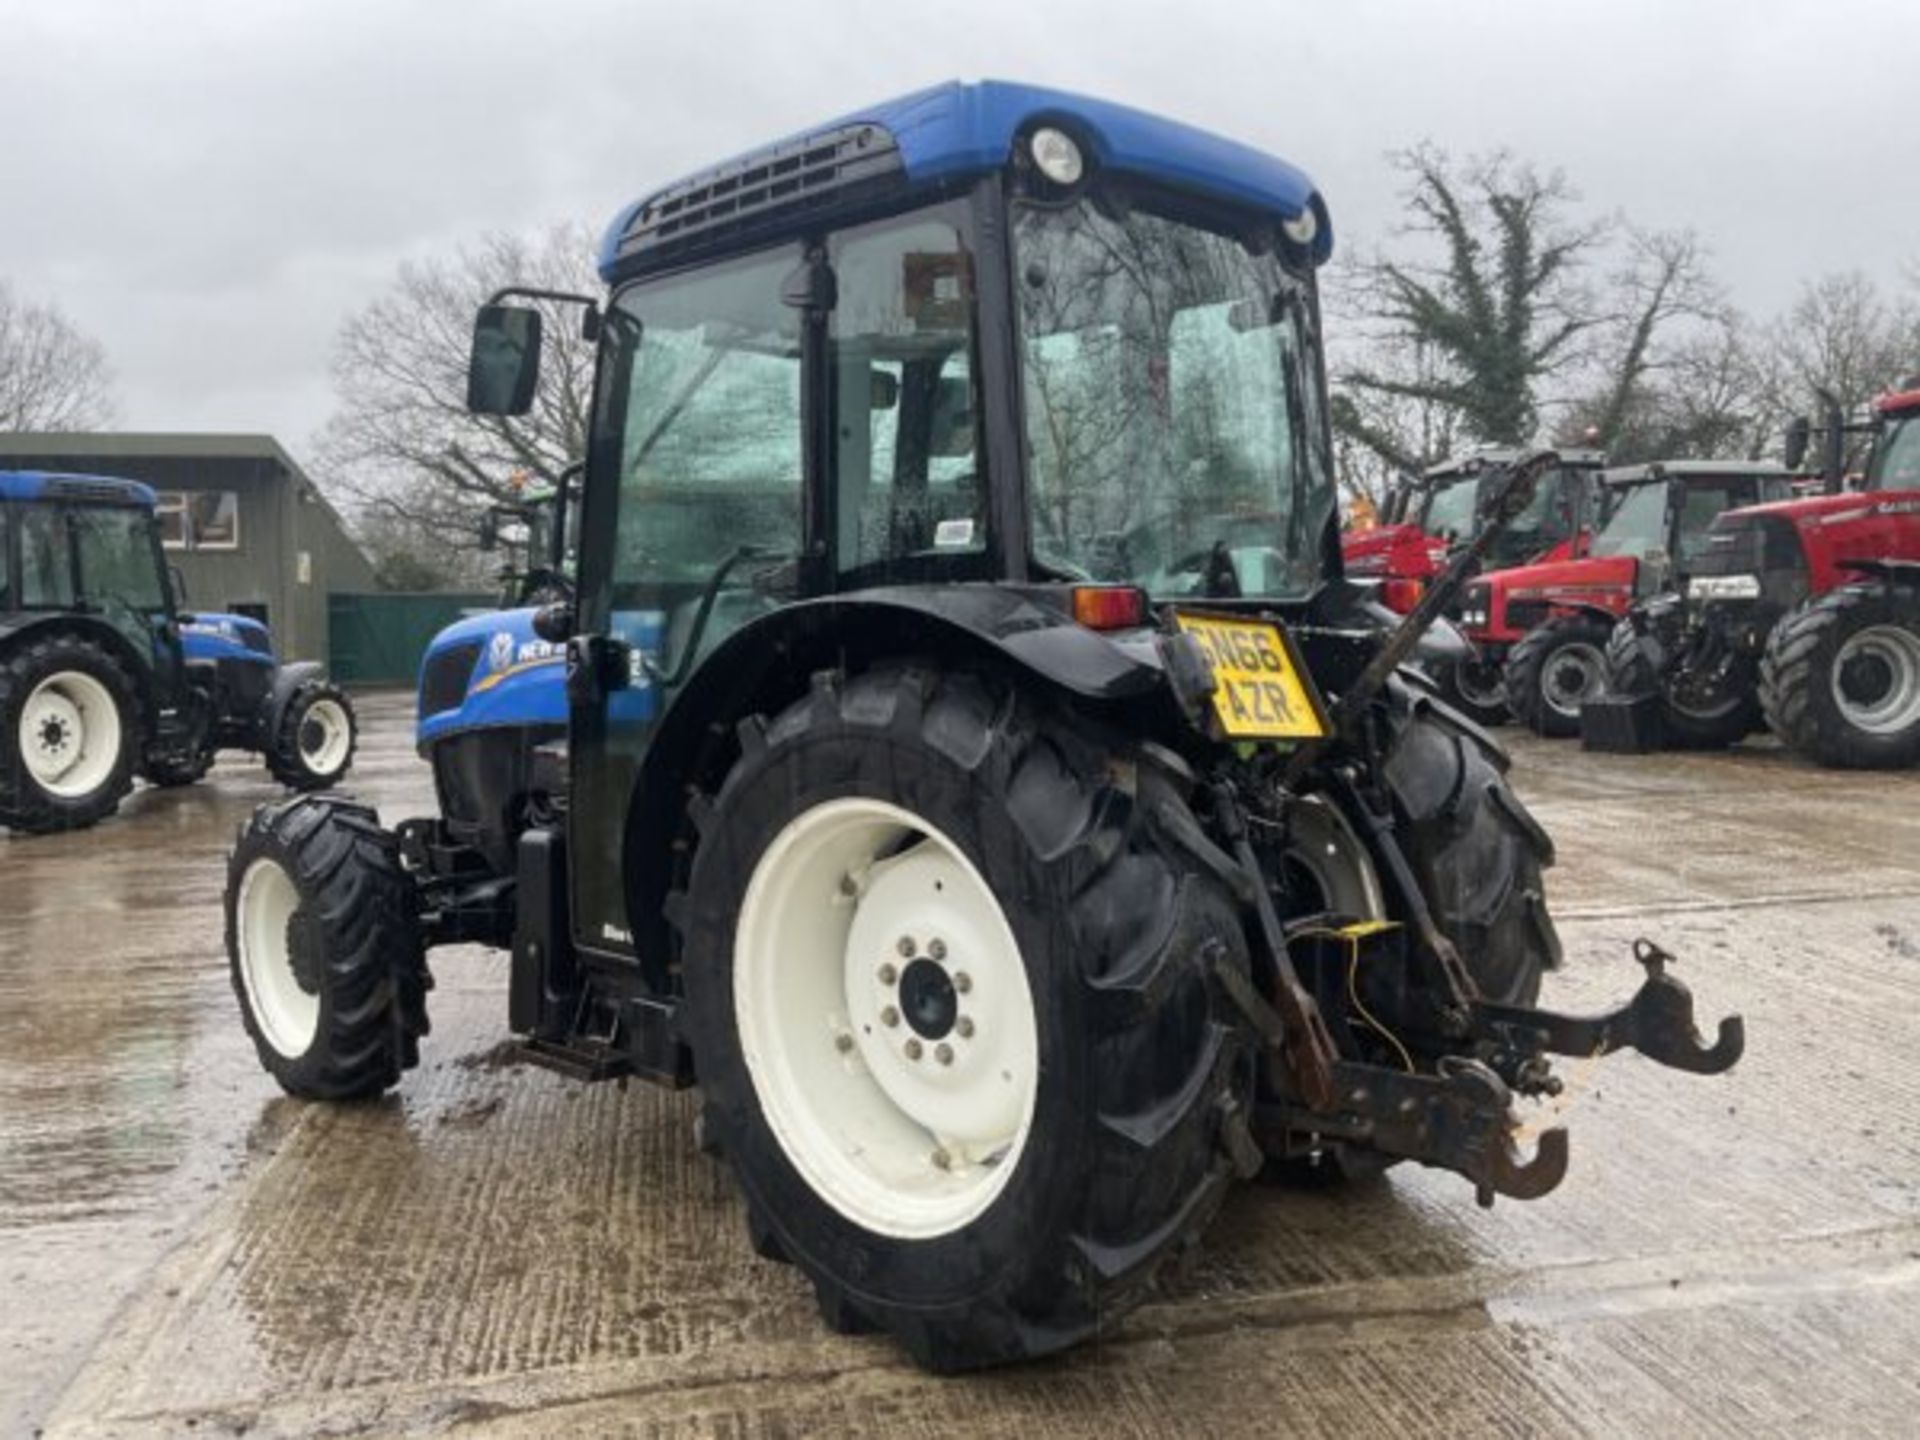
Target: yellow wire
(1352, 935)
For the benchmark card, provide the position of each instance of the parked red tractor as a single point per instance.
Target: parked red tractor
(1425, 516)
(1540, 631)
(1807, 611)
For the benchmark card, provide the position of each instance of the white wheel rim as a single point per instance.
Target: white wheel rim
(287, 1015)
(324, 736)
(1572, 675)
(1876, 679)
(69, 734)
(901, 1086)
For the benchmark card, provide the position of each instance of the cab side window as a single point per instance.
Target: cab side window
(906, 454)
(46, 559)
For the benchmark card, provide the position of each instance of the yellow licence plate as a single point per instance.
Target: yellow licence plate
(1259, 692)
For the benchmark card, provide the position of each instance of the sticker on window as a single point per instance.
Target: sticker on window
(952, 534)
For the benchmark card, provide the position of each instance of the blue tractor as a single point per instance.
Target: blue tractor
(961, 755)
(103, 679)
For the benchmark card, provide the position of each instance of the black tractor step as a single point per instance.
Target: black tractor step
(582, 1060)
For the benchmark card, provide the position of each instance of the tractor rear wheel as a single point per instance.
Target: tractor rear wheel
(951, 990)
(1553, 670)
(324, 949)
(69, 734)
(313, 746)
(1840, 679)
(1692, 721)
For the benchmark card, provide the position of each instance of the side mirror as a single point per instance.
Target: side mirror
(179, 584)
(489, 536)
(1799, 436)
(503, 369)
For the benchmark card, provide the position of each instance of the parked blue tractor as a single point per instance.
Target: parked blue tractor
(102, 678)
(961, 754)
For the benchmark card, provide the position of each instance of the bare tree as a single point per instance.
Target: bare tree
(402, 451)
(1496, 298)
(1662, 285)
(1844, 335)
(52, 377)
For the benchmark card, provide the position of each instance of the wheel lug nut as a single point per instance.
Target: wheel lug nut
(889, 1016)
(888, 974)
(963, 1027)
(962, 981)
(943, 1052)
(942, 1160)
(905, 946)
(913, 1049)
(937, 949)
(849, 886)
(843, 1042)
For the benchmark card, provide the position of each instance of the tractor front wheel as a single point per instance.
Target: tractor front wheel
(313, 746)
(1693, 718)
(1840, 679)
(324, 948)
(951, 990)
(69, 735)
(1477, 688)
(1556, 668)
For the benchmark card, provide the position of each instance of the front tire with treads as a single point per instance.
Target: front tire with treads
(904, 872)
(324, 948)
(1553, 669)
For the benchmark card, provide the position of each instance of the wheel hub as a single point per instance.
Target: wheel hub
(928, 1000)
(68, 734)
(1876, 679)
(1572, 678)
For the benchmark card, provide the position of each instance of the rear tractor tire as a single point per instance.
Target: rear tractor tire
(1691, 722)
(70, 733)
(312, 748)
(1840, 680)
(1553, 670)
(951, 990)
(324, 949)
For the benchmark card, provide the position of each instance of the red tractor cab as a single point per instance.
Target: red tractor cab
(1425, 516)
(1807, 609)
(1540, 631)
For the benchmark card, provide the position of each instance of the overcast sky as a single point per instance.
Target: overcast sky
(209, 188)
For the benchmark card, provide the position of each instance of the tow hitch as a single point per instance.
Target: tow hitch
(1460, 1117)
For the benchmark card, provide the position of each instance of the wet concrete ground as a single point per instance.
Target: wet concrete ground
(500, 1250)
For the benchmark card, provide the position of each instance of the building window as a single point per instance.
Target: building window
(199, 519)
(170, 513)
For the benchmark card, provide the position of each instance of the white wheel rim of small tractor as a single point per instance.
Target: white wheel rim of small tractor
(286, 1015)
(912, 1148)
(336, 733)
(69, 734)
(1898, 709)
(1324, 845)
(1592, 667)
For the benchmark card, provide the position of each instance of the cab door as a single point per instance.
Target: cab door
(694, 523)
(120, 575)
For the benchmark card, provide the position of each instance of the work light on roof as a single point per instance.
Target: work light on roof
(1303, 227)
(1056, 156)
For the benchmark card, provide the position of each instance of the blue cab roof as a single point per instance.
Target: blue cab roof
(53, 485)
(959, 129)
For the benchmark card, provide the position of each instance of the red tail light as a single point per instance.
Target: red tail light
(1109, 607)
(1401, 596)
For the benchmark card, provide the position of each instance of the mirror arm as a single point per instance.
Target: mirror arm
(589, 319)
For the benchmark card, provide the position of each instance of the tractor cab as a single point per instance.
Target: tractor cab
(538, 536)
(1658, 516)
(1429, 516)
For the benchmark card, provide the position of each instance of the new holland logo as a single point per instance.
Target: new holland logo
(500, 651)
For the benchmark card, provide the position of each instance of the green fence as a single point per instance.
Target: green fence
(379, 639)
